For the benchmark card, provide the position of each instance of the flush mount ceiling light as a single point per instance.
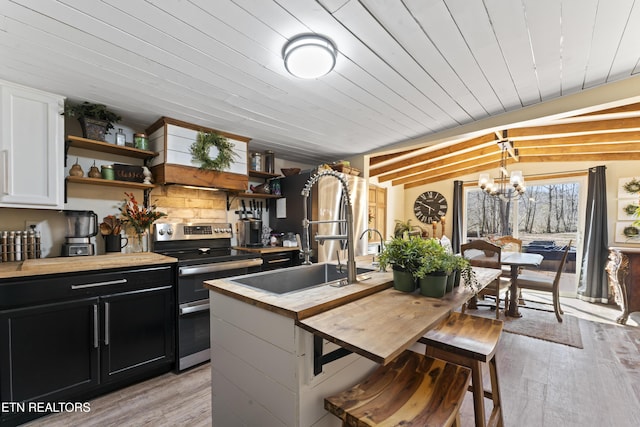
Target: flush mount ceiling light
(309, 56)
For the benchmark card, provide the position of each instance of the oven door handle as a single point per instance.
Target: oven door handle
(194, 307)
(219, 266)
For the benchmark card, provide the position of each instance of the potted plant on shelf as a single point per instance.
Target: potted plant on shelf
(403, 227)
(95, 119)
(405, 257)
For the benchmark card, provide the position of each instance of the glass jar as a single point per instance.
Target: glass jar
(120, 138)
(108, 173)
(256, 162)
(140, 141)
(269, 161)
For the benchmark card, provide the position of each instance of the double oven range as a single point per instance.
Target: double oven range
(204, 253)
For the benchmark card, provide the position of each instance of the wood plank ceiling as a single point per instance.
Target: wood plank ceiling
(605, 135)
(406, 69)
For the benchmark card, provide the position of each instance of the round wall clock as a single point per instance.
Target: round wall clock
(430, 206)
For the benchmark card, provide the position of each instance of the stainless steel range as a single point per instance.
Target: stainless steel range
(204, 252)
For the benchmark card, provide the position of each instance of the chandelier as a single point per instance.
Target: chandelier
(506, 185)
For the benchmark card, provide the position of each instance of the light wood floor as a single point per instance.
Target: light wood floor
(542, 383)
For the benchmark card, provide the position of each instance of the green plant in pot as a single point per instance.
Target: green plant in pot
(432, 274)
(95, 119)
(403, 227)
(405, 257)
(458, 267)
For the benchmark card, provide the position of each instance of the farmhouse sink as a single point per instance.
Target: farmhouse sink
(297, 278)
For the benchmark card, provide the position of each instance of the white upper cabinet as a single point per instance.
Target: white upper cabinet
(31, 148)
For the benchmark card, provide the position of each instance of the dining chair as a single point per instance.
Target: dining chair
(481, 253)
(539, 282)
(509, 243)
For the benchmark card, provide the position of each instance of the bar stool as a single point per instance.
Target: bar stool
(413, 389)
(468, 341)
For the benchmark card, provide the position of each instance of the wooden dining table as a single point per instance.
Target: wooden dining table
(516, 260)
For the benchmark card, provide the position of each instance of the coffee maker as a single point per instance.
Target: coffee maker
(250, 232)
(81, 227)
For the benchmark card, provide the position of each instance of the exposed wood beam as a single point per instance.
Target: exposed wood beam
(474, 155)
(460, 169)
(596, 138)
(583, 149)
(619, 125)
(454, 148)
(384, 157)
(599, 157)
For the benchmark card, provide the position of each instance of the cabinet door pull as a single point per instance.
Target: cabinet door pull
(107, 332)
(96, 284)
(95, 326)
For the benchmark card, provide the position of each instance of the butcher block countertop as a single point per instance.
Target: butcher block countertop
(35, 267)
(383, 325)
(305, 302)
(267, 249)
(369, 318)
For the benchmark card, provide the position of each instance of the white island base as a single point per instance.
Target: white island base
(262, 369)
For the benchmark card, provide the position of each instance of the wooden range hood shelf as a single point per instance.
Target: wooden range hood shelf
(170, 173)
(186, 175)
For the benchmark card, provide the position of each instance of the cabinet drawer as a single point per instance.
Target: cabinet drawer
(19, 293)
(276, 260)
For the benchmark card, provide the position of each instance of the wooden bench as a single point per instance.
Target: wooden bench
(413, 389)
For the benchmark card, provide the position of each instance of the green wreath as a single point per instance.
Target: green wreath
(632, 186)
(204, 142)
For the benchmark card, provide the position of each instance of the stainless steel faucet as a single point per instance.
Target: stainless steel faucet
(375, 230)
(346, 200)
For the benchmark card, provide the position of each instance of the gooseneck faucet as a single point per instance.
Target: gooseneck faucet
(375, 230)
(348, 220)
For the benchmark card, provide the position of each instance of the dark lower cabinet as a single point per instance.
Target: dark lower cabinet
(49, 350)
(104, 331)
(135, 332)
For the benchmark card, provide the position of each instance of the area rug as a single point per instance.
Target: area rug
(538, 321)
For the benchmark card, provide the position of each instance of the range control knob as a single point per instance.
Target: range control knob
(169, 231)
(161, 231)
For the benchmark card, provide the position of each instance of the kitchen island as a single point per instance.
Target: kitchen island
(266, 348)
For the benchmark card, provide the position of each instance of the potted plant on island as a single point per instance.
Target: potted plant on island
(434, 268)
(95, 119)
(405, 257)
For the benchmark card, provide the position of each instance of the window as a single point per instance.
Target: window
(545, 220)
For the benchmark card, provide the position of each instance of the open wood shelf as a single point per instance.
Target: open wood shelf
(109, 182)
(105, 147)
(263, 175)
(247, 195)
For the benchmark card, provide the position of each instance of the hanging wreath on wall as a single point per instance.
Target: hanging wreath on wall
(200, 151)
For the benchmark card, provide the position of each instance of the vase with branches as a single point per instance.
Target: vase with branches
(139, 218)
